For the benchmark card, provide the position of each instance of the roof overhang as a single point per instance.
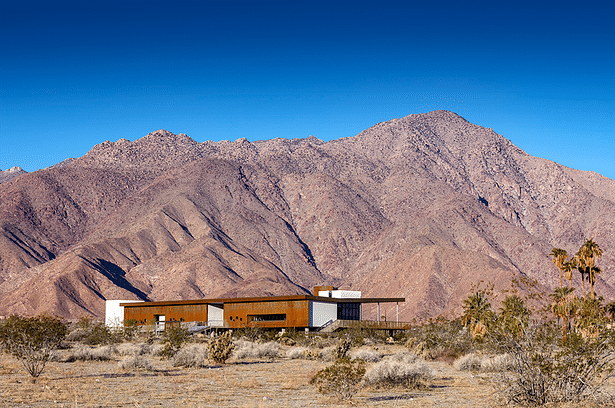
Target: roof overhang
(222, 301)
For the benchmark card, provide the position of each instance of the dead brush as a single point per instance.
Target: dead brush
(193, 355)
(136, 363)
(132, 349)
(403, 369)
(250, 350)
(368, 355)
(83, 352)
(296, 352)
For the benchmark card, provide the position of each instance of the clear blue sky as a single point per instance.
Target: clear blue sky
(77, 73)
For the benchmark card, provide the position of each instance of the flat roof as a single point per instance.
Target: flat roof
(221, 301)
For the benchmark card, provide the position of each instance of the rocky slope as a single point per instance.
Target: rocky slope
(420, 207)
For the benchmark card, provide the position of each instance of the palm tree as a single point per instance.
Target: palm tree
(559, 258)
(586, 257)
(564, 305)
(477, 308)
(581, 267)
(609, 308)
(567, 267)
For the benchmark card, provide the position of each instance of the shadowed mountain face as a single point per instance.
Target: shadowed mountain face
(420, 207)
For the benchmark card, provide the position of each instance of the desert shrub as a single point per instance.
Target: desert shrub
(32, 340)
(342, 378)
(173, 338)
(136, 363)
(468, 362)
(129, 329)
(250, 350)
(342, 349)
(94, 333)
(85, 353)
(366, 354)
(483, 362)
(193, 355)
(220, 348)
(546, 370)
(326, 354)
(156, 349)
(499, 363)
(132, 349)
(439, 338)
(296, 352)
(251, 332)
(403, 369)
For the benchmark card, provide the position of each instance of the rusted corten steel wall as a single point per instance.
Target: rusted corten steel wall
(146, 314)
(296, 313)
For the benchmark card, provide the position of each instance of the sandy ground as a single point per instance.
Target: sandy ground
(279, 383)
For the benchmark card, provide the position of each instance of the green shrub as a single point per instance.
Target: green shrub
(342, 379)
(93, 333)
(32, 340)
(174, 336)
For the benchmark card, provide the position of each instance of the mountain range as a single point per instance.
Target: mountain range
(422, 207)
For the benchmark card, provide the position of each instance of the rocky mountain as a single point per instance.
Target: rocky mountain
(6, 175)
(420, 207)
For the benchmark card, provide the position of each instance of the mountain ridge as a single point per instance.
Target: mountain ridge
(420, 207)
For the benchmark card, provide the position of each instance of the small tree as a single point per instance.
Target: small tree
(32, 340)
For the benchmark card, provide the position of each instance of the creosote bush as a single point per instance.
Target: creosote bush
(32, 340)
(174, 336)
(342, 378)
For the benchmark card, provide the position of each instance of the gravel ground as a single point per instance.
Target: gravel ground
(279, 383)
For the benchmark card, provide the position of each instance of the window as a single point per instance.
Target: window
(349, 311)
(267, 318)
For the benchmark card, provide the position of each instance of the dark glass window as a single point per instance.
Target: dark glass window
(267, 318)
(349, 311)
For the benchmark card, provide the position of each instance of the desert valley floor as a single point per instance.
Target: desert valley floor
(281, 382)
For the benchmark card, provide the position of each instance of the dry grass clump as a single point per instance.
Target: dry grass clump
(327, 354)
(403, 369)
(296, 352)
(136, 363)
(499, 363)
(86, 353)
(132, 349)
(249, 350)
(366, 354)
(193, 355)
(481, 362)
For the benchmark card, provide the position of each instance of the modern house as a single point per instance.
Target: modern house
(327, 308)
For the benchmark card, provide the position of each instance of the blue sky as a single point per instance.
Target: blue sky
(74, 74)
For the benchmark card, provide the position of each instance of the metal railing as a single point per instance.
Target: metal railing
(365, 324)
